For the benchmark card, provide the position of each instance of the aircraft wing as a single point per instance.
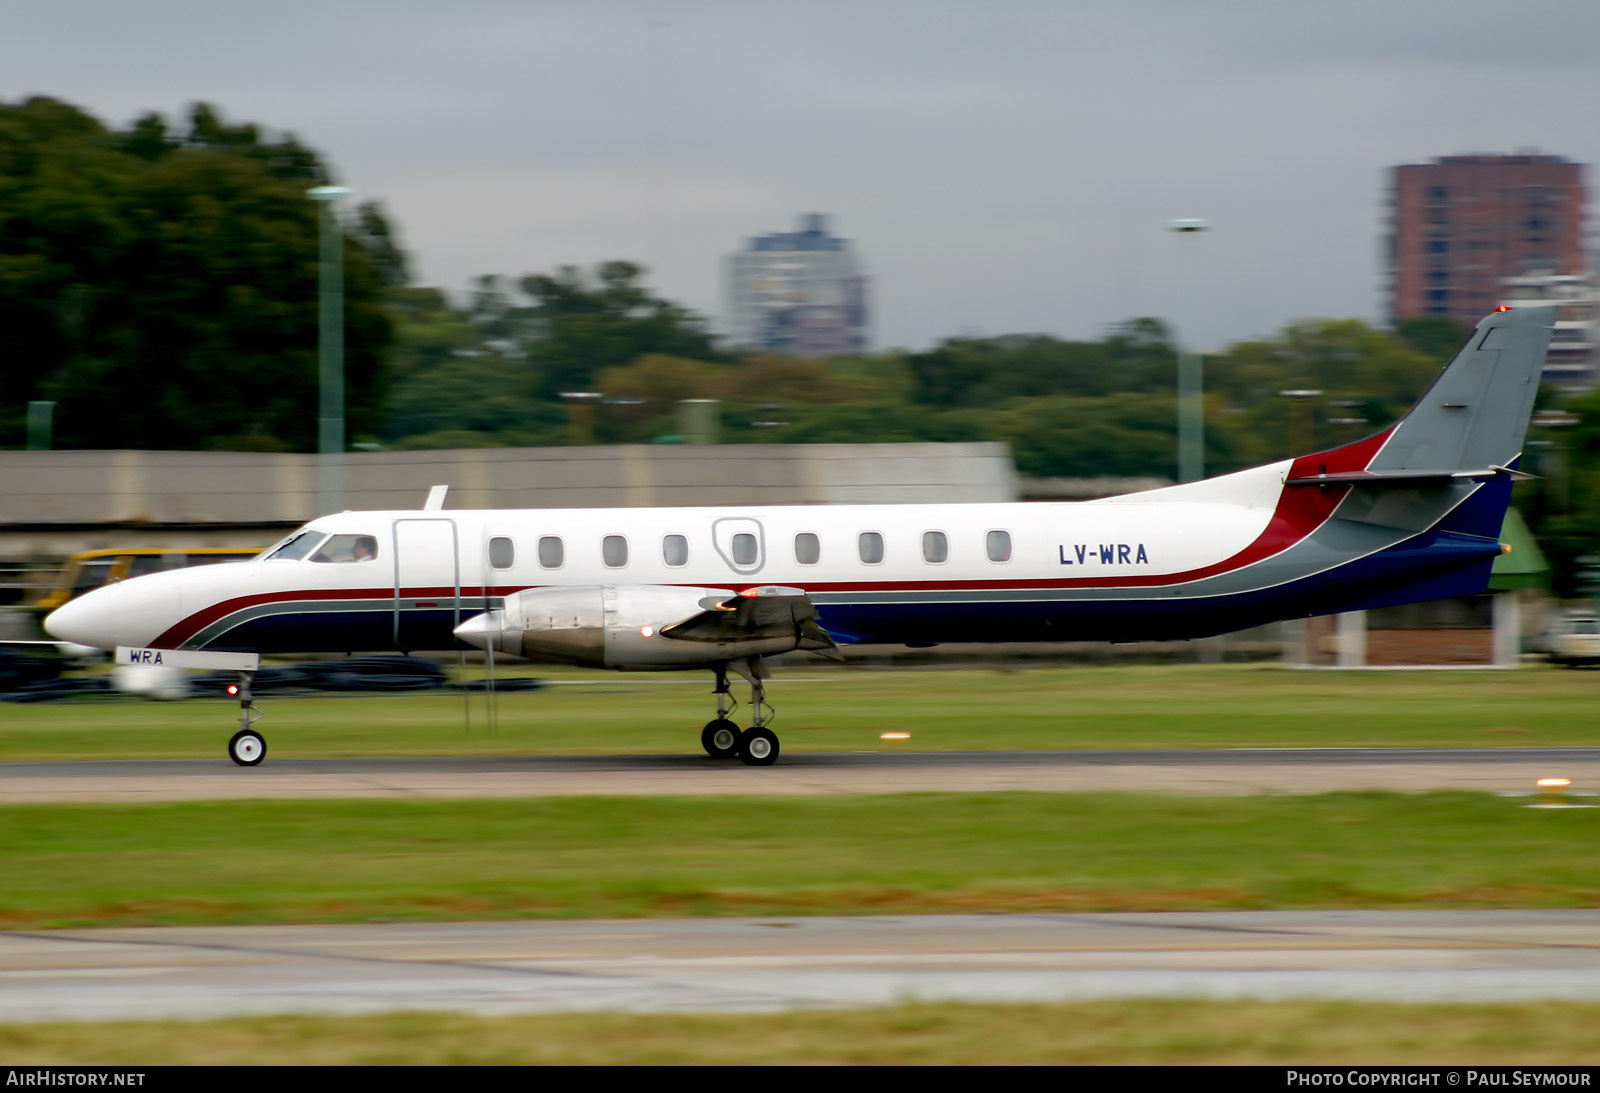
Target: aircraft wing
(766, 611)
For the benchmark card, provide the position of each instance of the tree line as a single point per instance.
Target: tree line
(158, 283)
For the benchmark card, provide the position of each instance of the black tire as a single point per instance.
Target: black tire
(720, 738)
(758, 747)
(247, 748)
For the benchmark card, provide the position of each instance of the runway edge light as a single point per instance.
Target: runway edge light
(1552, 793)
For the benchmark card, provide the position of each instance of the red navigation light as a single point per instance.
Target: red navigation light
(1503, 307)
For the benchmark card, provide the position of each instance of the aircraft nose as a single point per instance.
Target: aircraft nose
(134, 612)
(86, 620)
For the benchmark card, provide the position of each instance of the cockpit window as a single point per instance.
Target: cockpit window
(297, 546)
(347, 548)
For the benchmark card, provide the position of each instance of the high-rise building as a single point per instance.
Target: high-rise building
(1461, 225)
(801, 293)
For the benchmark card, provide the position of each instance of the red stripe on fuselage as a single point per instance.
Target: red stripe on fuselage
(182, 631)
(1299, 512)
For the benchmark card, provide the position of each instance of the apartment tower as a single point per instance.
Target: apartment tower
(1462, 225)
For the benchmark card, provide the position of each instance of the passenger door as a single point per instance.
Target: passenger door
(427, 583)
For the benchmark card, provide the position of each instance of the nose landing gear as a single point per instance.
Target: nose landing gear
(247, 747)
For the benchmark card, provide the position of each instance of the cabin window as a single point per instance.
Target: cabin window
(744, 549)
(998, 545)
(614, 551)
(935, 547)
(869, 544)
(502, 552)
(298, 547)
(551, 551)
(675, 550)
(347, 548)
(807, 548)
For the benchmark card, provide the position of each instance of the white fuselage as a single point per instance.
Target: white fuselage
(1178, 562)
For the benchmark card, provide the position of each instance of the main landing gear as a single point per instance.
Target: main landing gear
(756, 746)
(248, 747)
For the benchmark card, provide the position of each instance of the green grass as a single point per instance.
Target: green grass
(1180, 1032)
(1090, 707)
(355, 860)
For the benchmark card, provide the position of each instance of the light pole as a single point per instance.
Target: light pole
(1300, 441)
(580, 416)
(330, 351)
(41, 417)
(1191, 388)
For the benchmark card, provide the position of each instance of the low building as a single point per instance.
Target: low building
(1570, 362)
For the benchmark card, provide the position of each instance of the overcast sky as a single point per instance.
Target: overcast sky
(1001, 166)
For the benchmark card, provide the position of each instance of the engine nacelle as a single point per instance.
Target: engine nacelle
(612, 626)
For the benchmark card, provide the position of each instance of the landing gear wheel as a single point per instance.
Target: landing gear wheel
(247, 748)
(720, 738)
(758, 747)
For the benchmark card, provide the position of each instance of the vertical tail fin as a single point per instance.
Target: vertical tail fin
(1447, 464)
(1475, 416)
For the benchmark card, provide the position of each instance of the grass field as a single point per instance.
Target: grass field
(845, 709)
(356, 860)
(1104, 1033)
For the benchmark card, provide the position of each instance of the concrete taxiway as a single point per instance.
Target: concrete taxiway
(1198, 771)
(776, 964)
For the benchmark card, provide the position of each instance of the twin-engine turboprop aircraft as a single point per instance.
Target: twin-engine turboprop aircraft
(1413, 513)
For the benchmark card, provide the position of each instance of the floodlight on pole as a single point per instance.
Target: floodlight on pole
(330, 349)
(1191, 387)
(1300, 438)
(580, 415)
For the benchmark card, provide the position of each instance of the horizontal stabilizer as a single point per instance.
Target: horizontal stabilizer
(1411, 479)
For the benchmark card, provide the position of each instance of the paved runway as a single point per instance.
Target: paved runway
(1219, 771)
(776, 964)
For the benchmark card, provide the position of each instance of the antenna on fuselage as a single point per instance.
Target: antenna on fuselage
(435, 500)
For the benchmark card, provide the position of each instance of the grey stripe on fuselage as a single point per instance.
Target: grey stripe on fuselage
(209, 634)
